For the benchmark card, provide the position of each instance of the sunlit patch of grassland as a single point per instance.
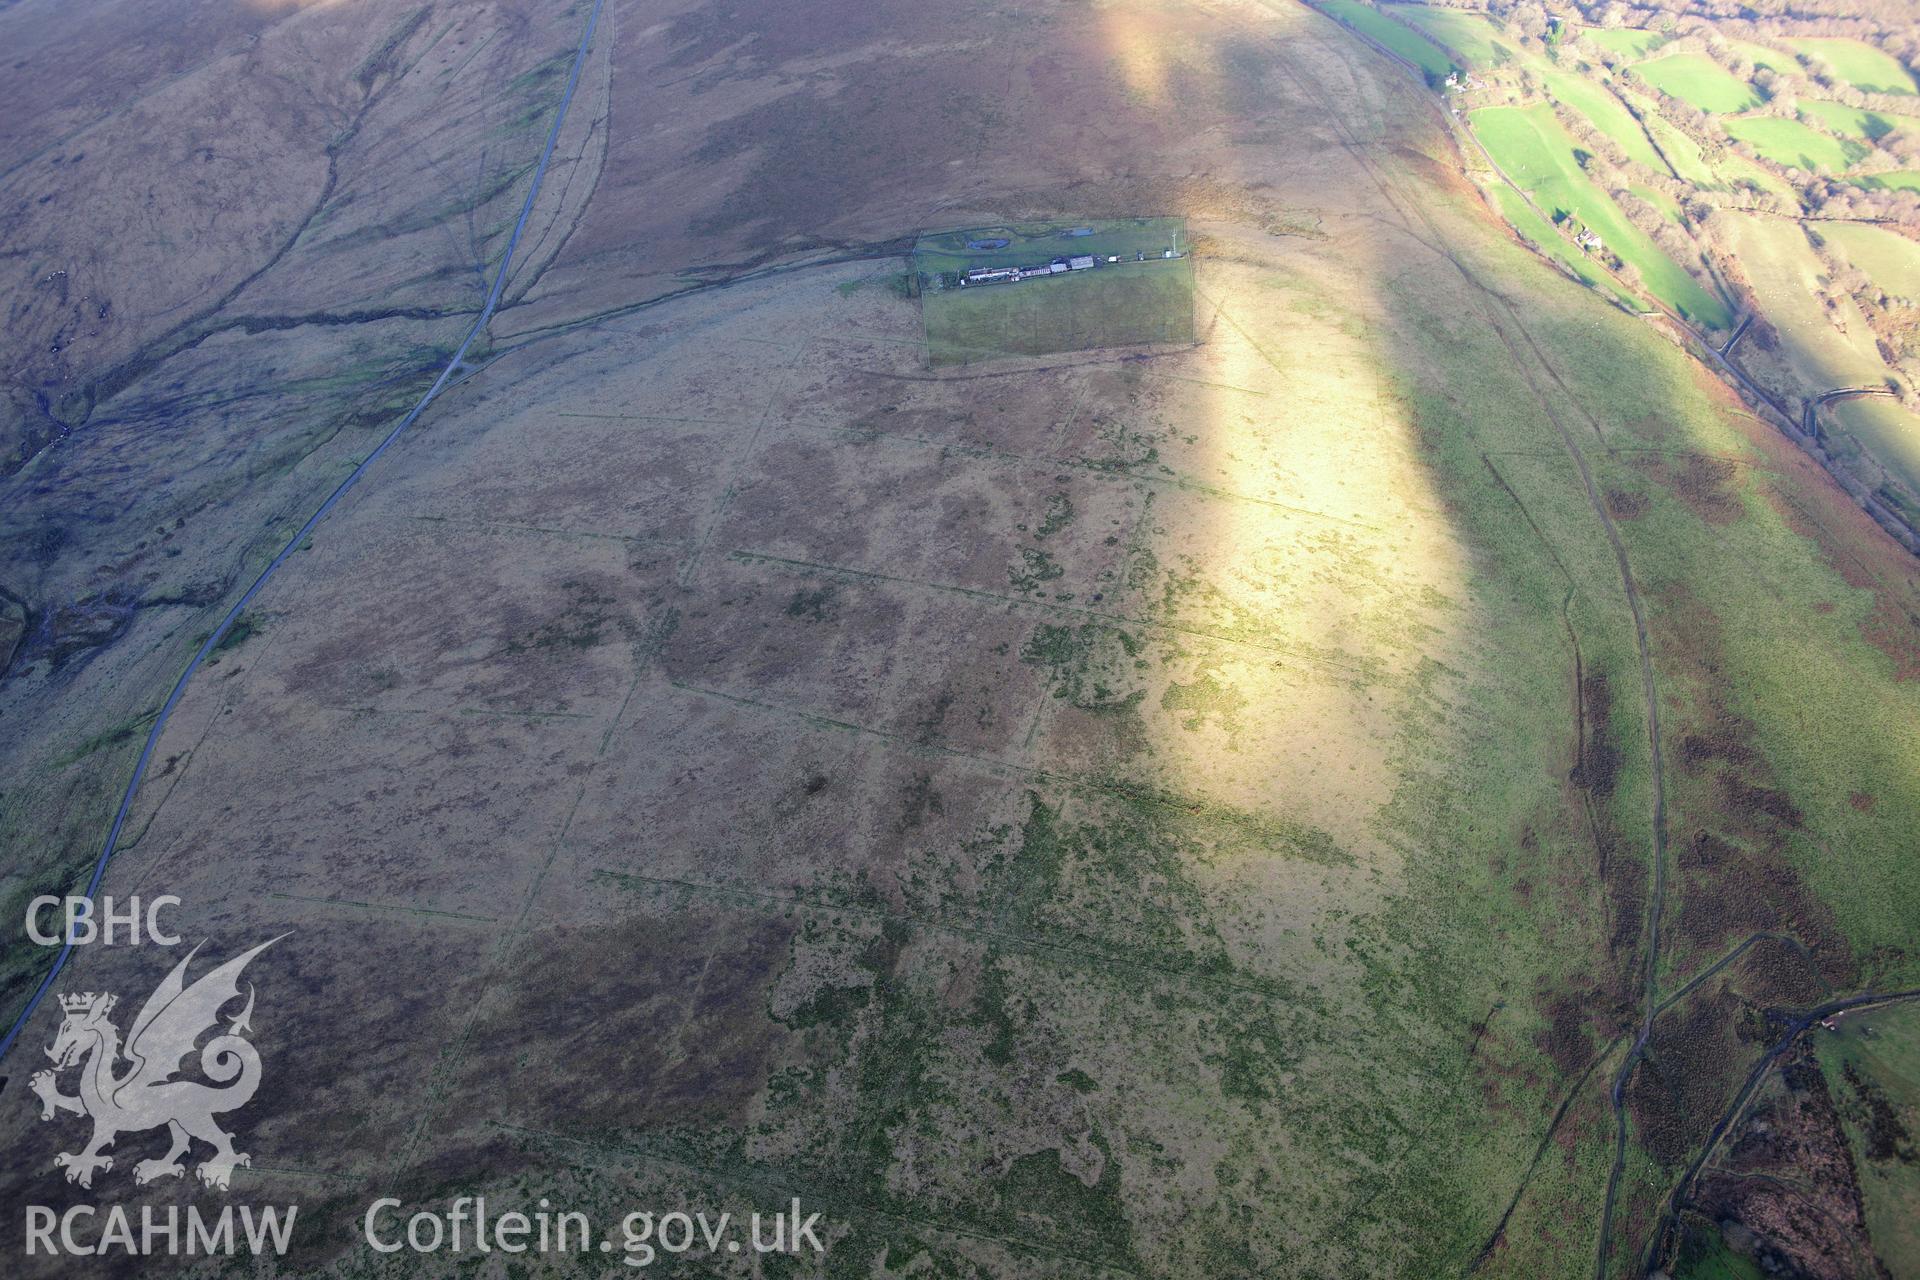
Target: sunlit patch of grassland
(1122, 305)
(1795, 145)
(1866, 68)
(1681, 151)
(1856, 122)
(1795, 662)
(1698, 81)
(1798, 660)
(1892, 260)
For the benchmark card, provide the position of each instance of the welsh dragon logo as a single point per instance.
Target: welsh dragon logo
(146, 1095)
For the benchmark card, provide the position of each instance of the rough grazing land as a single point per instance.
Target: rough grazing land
(1177, 813)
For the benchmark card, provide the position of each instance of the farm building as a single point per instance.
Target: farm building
(1057, 266)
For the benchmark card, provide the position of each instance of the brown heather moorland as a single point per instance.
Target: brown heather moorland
(1208, 811)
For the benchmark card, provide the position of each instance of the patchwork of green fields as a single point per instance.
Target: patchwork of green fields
(1861, 65)
(1699, 81)
(1535, 151)
(1396, 36)
(1795, 145)
(1690, 164)
(1123, 304)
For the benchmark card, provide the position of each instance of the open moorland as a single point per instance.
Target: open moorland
(1386, 784)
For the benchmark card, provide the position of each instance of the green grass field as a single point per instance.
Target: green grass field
(1397, 36)
(1624, 42)
(1698, 81)
(1131, 303)
(1872, 1066)
(1531, 148)
(1861, 65)
(1795, 145)
(1606, 113)
(1852, 122)
(1893, 261)
(1471, 36)
(1898, 180)
(1537, 153)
